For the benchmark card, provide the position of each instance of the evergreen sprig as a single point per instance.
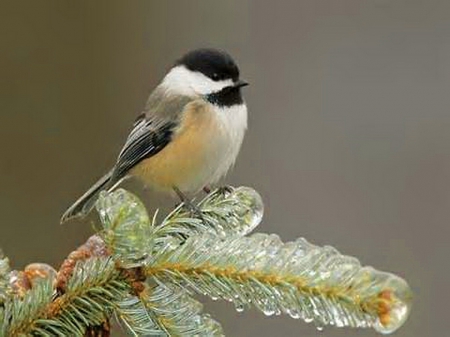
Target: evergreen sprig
(296, 278)
(162, 310)
(5, 270)
(90, 298)
(22, 313)
(149, 269)
(225, 212)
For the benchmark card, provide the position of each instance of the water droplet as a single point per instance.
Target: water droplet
(239, 307)
(394, 305)
(36, 271)
(253, 208)
(268, 311)
(294, 313)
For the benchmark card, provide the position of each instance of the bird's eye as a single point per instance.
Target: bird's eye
(215, 76)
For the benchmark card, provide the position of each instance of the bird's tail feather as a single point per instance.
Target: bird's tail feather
(86, 202)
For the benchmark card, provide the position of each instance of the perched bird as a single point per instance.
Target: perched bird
(189, 133)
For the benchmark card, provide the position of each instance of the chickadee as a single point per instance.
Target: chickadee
(189, 133)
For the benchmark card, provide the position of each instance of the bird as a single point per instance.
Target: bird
(188, 134)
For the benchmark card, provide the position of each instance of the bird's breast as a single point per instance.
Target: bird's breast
(202, 149)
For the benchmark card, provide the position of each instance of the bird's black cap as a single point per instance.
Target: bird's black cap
(216, 64)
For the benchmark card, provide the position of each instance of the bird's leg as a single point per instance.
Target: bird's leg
(183, 198)
(187, 203)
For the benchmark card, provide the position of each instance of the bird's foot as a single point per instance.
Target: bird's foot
(225, 190)
(194, 210)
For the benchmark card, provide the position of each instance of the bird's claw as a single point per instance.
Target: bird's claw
(225, 190)
(193, 209)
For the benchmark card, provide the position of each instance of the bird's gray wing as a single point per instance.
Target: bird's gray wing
(151, 132)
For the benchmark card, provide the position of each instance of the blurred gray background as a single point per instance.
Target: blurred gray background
(348, 143)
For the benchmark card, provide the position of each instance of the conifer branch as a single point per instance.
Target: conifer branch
(161, 310)
(143, 271)
(89, 298)
(318, 285)
(5, 271)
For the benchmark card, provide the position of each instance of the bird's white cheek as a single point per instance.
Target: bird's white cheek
(183, 81)
(204, 85)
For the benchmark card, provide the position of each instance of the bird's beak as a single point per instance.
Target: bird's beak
(240, 84)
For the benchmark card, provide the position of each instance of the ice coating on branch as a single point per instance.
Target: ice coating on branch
(224, 212)
(209, 252)
(162, 310)
(127, 226)
(5, 272)
(296, 278)
(233, 210)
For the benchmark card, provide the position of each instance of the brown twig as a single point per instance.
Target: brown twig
(93, 247)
